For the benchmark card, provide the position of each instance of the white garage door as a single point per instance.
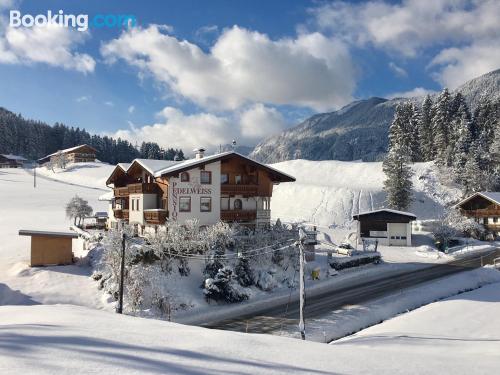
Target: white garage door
(397, 234)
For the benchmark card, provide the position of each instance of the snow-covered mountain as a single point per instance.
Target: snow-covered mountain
(357, 131)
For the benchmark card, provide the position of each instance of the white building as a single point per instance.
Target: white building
(226, 186)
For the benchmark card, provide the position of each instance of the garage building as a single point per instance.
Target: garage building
(389, 227)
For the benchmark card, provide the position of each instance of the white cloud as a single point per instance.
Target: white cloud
(400, 72)
(188, 131)
(131, 109)
(458, 65)
(84, 98)
(466, 31)
(417, 91)
(261, 121)
(52, 45)
(109, 103)
(242, 67)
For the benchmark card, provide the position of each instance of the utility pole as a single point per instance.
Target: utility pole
(34, 176)
(302, 324)
(119, 307)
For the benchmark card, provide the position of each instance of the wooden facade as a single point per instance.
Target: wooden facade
(77, 154)
(484, 207)
(11, 161)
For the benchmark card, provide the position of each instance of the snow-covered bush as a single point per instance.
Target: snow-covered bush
(244, 273)
(223, 288)
(266, 281)
(453, 224)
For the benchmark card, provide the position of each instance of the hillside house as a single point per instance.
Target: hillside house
(11, 161)
(77, 154)
(484, 207)
(388, 227)
(226, 187)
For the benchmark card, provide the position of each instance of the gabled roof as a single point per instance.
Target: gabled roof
(179, 167)
(159, 168)
(396, 212)
(492, 196)
(13, 157)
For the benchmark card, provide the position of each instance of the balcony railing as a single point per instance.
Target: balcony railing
(263, 214)
(155, 216)
(142, 188)
(484, 212)
(238, 215)
(121, 213)
(233, 189)
(121, 192)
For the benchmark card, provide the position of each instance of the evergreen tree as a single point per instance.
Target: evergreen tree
(440, 126)
(396, 167)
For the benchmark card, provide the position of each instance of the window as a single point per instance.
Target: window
(184, 177)
(184, 204)
(224, 178)
(133, 204)
(495, 219)
(485, 220)
(238, 205)
(205, 204)
(206, 177)
(224, 203)
(237, 180)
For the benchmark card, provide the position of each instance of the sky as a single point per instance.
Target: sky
(201, 73)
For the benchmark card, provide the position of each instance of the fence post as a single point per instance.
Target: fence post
(119, 308)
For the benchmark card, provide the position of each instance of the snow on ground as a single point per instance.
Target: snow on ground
(459, 335)
(329, 192)
(354, 318)
(83, 174)
(25, 207)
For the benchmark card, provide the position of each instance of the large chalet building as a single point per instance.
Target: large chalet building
(226, 187)
(484, 207)
(77, 154)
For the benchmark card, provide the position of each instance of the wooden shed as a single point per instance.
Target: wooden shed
(50, 248)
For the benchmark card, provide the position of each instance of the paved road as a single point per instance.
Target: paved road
(274, 319)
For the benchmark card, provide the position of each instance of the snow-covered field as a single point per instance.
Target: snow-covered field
(459, 335)
(83, 174)
(26, 207)
(329, 193)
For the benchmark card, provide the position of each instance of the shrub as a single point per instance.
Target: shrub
(222, 288)
(343, 263)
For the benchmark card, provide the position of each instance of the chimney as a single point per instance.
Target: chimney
(199, 153)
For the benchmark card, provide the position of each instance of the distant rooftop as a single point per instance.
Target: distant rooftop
(14, 157)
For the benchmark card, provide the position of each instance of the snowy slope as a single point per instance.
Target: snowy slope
(84, 174)
(24, 207)
(328, 193)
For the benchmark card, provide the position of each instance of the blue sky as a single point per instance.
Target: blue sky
(196, 72)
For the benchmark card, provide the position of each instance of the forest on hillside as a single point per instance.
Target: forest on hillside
(464, 145)
(35, 139)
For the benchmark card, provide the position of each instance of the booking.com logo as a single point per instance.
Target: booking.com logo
(80, 22)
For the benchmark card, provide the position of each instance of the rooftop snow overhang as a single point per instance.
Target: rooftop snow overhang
(387, 210)
(493, 197)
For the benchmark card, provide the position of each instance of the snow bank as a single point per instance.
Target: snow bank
(351, 319)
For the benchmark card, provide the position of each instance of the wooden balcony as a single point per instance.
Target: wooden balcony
(121, 192)
(238, 215)
(155, 216)
(245, 190)
(142, 188)
(485, 212)
(121, 213)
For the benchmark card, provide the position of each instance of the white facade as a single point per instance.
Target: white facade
(195, 191)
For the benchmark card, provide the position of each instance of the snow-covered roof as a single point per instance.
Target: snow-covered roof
(14, 157)
(404, 213)
(165, 167)
(44, 233)
(153, 166)
(101, 214)
(66, 150)
(493, 196)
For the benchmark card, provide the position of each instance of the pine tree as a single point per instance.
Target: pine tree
(396, 167)
(462, 147)
(440, 126)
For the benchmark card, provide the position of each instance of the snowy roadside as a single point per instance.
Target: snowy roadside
(216, 313)
(346, 321)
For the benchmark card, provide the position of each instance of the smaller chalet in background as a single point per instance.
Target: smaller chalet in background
(11, 161)
(484, 207)
(77, 154)
(389, 227)
(226, 187)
